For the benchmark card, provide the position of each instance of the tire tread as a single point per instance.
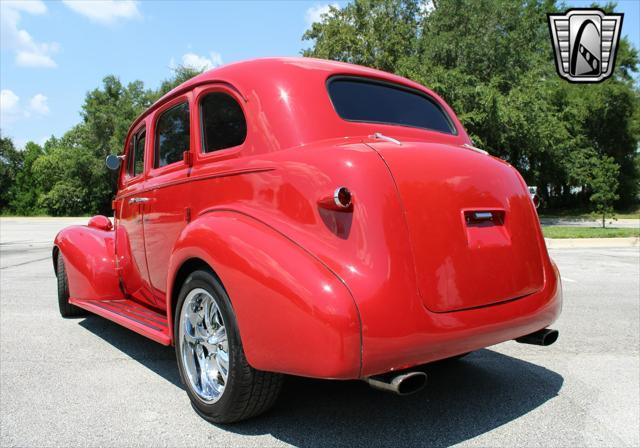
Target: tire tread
(66, 309)
(254, 391)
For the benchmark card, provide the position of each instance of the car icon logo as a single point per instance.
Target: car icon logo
(585, 42)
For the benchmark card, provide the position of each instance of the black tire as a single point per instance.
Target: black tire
(66, 309)
(248, 392)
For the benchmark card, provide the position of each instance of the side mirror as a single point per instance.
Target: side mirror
(113, 162)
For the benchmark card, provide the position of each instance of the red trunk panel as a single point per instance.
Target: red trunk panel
(471, 224)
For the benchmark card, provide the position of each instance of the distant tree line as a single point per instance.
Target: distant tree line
(490, 59)
(67, 176)
(493, 62)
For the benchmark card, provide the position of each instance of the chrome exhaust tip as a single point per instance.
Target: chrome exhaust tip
(403, 384)
(543, 337)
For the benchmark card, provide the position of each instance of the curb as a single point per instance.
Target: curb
(570, 243)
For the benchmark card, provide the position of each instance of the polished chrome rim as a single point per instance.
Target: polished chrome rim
(204, 345)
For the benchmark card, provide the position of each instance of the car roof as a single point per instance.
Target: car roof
(290, 105)
(244, 74)
(259, 66)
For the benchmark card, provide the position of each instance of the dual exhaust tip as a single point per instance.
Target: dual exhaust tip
(412, 382)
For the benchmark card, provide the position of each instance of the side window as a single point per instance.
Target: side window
(135, 163)
(172, 135)
(223, 123)
(138, 166)
(130, 156)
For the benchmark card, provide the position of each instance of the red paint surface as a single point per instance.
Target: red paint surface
(400, 278)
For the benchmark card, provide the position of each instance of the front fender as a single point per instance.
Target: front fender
(89, 257)
(294, 315)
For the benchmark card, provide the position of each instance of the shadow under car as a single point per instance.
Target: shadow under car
(463, 399)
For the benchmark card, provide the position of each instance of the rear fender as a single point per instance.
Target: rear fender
(89, 257)
(295, 316)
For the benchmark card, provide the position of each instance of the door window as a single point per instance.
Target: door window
(223, 123)
(135, 165)
(172, 135)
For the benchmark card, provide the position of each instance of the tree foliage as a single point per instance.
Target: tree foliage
(10, 165)
(25, 190)
(598, 176)
(492, 61)
(67, 175)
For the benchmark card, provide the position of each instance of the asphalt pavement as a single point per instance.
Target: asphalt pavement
(89, 382)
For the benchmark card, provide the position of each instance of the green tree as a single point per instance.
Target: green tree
(604, 184)
(10, 164)
(70, 177)
(598, 179)
(492, 61)
(609, 123)
(25, 189)
(67, 176)
(107, 114)
(375, 33)
(109, 111)
(180, 74)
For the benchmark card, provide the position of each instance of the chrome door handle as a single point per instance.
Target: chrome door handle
(138, 200)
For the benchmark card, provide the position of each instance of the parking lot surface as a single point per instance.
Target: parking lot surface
(90, 382)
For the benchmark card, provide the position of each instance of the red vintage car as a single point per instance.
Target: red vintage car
(305, 217)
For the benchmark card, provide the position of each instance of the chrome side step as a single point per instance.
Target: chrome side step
(130, 314)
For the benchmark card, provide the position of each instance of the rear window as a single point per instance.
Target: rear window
(357, 99)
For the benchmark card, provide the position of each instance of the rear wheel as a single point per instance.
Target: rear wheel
(66, 309)
(221, 384)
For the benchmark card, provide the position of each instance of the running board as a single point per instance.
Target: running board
(131, 315)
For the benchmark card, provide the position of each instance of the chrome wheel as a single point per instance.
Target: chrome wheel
(204, 345)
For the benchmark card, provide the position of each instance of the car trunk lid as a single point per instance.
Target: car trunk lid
(472, 227)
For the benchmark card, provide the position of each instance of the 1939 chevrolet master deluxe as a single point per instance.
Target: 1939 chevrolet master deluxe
(305, 217)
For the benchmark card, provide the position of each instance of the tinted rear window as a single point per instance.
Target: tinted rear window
(378, 102)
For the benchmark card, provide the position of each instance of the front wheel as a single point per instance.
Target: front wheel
(66, 309)
(221, 384)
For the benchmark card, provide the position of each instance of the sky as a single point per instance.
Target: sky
(53, 52)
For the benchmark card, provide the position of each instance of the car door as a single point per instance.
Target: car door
(167, 212)
(222, 148)
(130, 208)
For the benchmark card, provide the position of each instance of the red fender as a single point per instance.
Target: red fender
(89, 257)
(294, 315)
